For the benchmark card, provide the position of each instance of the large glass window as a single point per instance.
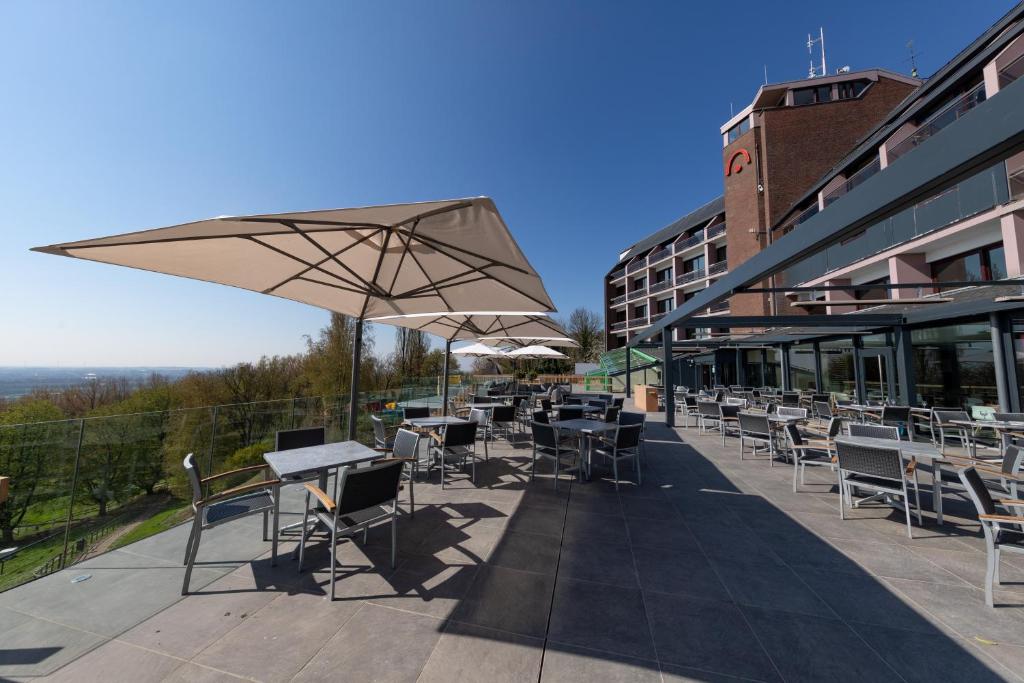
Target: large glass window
(837, 367)
(665, 305)
(851, 89)
(640, 283)
(738, 130)
(801, 367)
(663, 275)
(987, 263)
(1018, 355)
(693, 264)
(954, 366)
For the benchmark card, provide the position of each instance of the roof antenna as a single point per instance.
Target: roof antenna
(813, 71)
(766, 74)
(912, 59)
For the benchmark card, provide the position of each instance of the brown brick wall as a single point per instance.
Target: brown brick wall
(744, 211)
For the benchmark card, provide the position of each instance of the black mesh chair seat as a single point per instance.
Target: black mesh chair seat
(356, 518)
(238, 507)
(877, 483)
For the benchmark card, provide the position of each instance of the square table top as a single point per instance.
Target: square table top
(437, 421)
(288, 464)
(488, 406)
(918, 449)
(585, 426)
(991, 424)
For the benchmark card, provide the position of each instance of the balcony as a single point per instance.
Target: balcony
(639, 264)
(718, 267)
(689, 243)
(636, 294)
(945, 116)
(660, 255)
(853, 181)
(660, 286)
(719, 307)
(637, 322)
(693, 275)
(618, 301)
(620, 273)
(655, 317)
(716, 230)
(617, 326)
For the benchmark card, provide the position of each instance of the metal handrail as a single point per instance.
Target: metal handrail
(659, 286)
(718, 267)
(660, 254)
(690, 277)
(616, 301)
(636, 265)
(636, 322)
(939, 120)
(689, 242)
(621, 272)
(636, 294)
(853, 181)
(616, 326)
(716, 230)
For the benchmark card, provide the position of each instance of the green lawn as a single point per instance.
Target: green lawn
(161, 521)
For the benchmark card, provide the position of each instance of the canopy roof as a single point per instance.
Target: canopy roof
(485, 325)
(451, 255)
(535, 352)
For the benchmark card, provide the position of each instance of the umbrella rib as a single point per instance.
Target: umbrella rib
(376, 272)
(342, 225)
(299, 275)
(438, 244)
(444, 282)
(401, 260)
(435, 212)
(423, 270)
(370, 287)
(331, 285)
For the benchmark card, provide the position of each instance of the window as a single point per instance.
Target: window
(813, 95)
(640, 312)
(987, 263)
(693, 264)
(953, 366)
(874, 292)
(664, 305)
(663, 275)
(720, 254)
(640, 283)
(851, 89)
(738, 130)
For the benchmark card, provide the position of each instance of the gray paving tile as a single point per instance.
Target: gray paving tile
(964, 610)
(607, 618)
(584, 525)
(926, 658)
(681, 674)
(187, 627)
(526, 552)
(538, 519)
(278, 640)
(34, 647)
(727, 540)
(812, 649)
(376, 644)
(427, 586)
(648, 508)
(508, 600)
(600, 562)
(864, 599)
(461, 541)
(117, 661)
(659, 533)
(970, 566)
(568, 663)
(193, 673)
(707, 635)
(678, 572)
(1007, 660)
(470, 653)
(759, 582)
(894, 561)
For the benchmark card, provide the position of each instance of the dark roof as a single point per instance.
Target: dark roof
(983, 48)
(674, 229)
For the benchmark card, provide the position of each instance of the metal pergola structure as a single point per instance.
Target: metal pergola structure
(993, 132)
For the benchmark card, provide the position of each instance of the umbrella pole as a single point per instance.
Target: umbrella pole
(353, 394)
(444, 385)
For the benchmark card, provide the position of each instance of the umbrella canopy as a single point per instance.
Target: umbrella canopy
(564, 342)
(535, 352)
(479, 350)
(486, 325)
(452, 255)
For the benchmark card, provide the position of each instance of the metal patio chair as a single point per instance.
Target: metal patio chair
(728, 418)
(381, 438)
(569, 412)
(625, 445)
(503, 418)
(1010, 471)
(689, 409)
(709, 415)
(1002, 530)
(483, 427)
(366, 496)
(549, 445)
(808, 452)
(262, 497)
(874, 431)
(756, 430)
(941, 426)
(407, 448)
(611, 414)
(881, 470)
(789, 411)
(456, 445)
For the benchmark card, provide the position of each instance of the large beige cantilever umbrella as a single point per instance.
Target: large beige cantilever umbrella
(512, 329)
(451, 255)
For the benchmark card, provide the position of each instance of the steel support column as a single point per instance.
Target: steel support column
(667, 378)
(858, 371)
(741, 378)
(907, 381)
(353, 392)
(444, 383)
(818, 382)
(629, 354)
(787, 383)
(999, 359)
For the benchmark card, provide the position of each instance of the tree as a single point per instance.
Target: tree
(411, 347)
(327, 365)
(28, 444)
(584, 327)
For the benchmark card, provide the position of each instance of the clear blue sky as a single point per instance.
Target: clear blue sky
(591, 124)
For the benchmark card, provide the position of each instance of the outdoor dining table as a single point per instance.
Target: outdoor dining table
(585, 430)
(1006, 429)
(436, 421)
(919, 450)
(296, 464)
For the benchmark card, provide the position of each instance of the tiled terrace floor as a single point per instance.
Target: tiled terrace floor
(712, 570)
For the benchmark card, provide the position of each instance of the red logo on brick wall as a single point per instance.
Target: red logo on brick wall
(737, 161)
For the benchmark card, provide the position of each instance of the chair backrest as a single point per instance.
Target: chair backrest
(1009, 417)
(287, 439)
(544, 434)
(611, 414)
(1013, 461)
(871, 461)
(406, 444)
(819, 398)
(411, 412)
(791, 412)
(570, 412)
(719, 394)
(619, 401)
(754, 424)
(626, 418)
(607, 398)
(835, 426)
(794, 435)
(790, 398)
(728, 409)
(380, 437)
(192, 472)
(572, 401)
(895, 414)
(368, 486)
(822, 409)
(478, 415)
(977, 491)
(708, 409)
(503, 414)
(875, 431)
(545, 404)
(541, 417)
(518, 401)
(460, 434)
(944, 417)
(690, 401)
(597, 403)
(627, 436)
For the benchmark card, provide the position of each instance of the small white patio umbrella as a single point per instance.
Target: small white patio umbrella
(476, 350)
(535, 352)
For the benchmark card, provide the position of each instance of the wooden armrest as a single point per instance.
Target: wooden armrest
(821, 443)
(1003, 518)
(809, 446)
(383, 450)
(998, 473)
(1011, 502)
(251, 468)
(911, 466)
(245, 488)
(381, 461)
(436, 437)
(324, 499)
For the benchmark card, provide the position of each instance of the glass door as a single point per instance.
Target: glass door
(879, 377)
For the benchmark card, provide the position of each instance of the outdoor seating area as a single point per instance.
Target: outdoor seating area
(704, 567)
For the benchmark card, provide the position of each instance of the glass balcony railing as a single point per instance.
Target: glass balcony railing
(718, 267)
(639, 264)
(945, 116)
(660, 255)
(617, 326)
(81, 486)
(620, 273)
(655, 317)
(636, 294)
(660, 286)
(978, 193)
(618, 300)
(719, 307)
(637, 322)
(690, 277)
(716, 230)
(689, 242)
(853, 181)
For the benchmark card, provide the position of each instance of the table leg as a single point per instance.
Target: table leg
(937, 490)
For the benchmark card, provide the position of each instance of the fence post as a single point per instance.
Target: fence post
(293, 412)
(213, 442)
(74, 485)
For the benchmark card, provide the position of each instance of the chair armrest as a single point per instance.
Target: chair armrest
(822, 443)
(1011, 502)
(382, 450)
(381, 461)
(911, 466)
(999, 473)
(245, 488)
(251, 468)
(1003, 518)
(436, 437)
(812, 447)
(324, 499)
